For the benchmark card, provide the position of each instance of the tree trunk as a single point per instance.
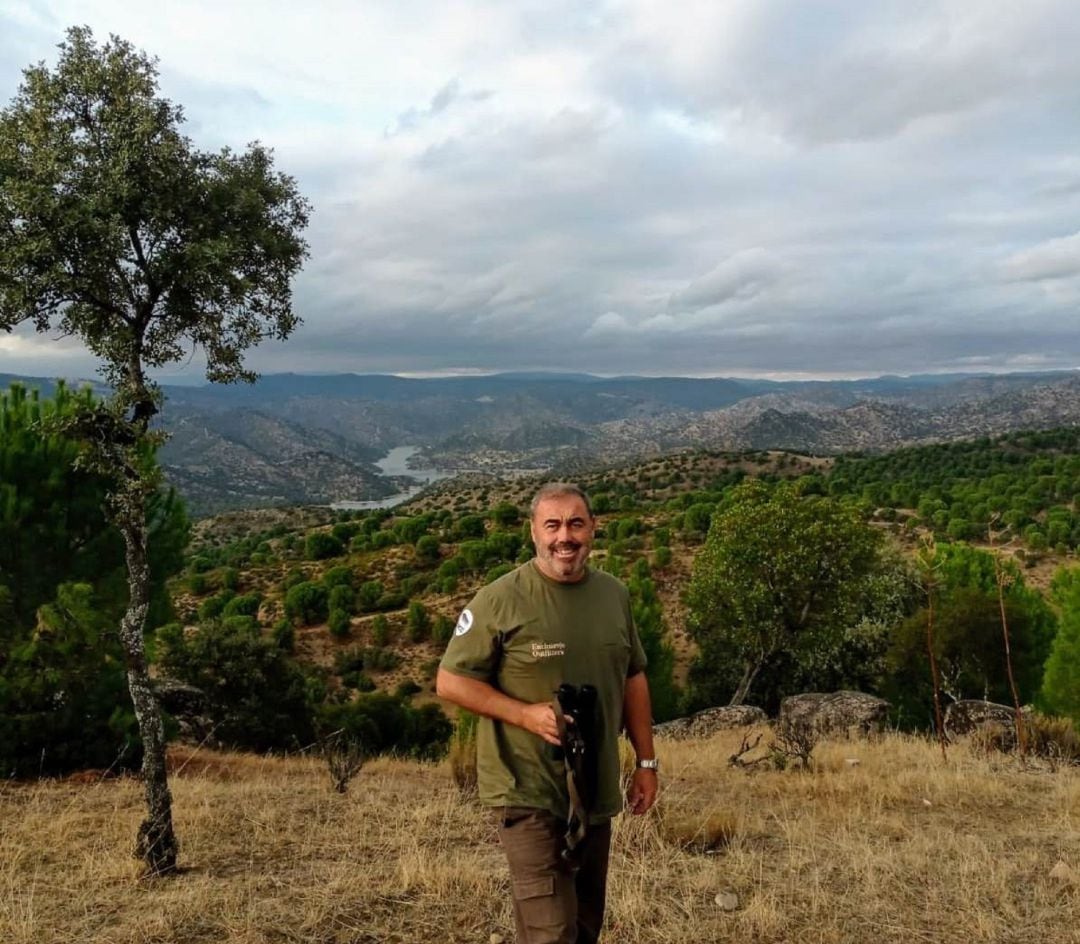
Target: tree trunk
(743, 689)
(156, 843)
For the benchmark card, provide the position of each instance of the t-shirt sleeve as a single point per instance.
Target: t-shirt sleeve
(638, 660)
(473, 648)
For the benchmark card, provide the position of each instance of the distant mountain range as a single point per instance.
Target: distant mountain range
(294, 438)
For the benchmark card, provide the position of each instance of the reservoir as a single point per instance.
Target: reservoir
(395, 464)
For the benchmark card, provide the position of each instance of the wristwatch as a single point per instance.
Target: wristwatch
(651, 764)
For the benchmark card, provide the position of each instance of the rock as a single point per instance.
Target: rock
(708, 722)
(727, 901)
(189, 706)
(1063, 874)
(971, 716)
(847, 713)
(496, 938)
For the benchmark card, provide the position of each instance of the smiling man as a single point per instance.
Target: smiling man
(550, 622)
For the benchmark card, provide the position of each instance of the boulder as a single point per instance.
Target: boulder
(188, 706)
(853, 714)
(972, 715)
(708, 722)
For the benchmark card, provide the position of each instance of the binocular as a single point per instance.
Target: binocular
(579, 748)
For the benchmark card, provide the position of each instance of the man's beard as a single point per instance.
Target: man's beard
(569, 562)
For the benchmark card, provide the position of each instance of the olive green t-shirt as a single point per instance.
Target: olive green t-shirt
(526, 634)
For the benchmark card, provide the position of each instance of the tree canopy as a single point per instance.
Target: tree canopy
(780, 573)
(116, 229)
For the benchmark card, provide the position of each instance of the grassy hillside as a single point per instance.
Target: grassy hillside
(656, 510)
(882, 842)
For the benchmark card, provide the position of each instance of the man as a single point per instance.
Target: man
(551, 621)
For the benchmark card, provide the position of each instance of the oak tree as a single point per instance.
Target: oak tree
(780, 573)
(115, 229)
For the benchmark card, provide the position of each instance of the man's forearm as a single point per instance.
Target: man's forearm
(484, 699)
(479, 697)
(637, 715)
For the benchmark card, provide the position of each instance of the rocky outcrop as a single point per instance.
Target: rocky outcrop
(853, 714)
(708, 722)
(970, 716)
(188, 706)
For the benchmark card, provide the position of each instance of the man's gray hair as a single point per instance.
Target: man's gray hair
(558, 490)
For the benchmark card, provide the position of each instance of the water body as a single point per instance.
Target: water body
(395, 464)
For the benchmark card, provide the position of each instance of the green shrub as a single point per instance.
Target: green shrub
(340, 576)
(442, 629)
(368, 658)
(344, 531)
(360, 681)
(409, 530)
(383, 723)
(214, 606)
(339, 623)
(469, 526)
(246, 604)
(341, 598)
(200, 564)
(259, 697)
(284, 635)
(307, 603)
(367, 597)
(229, 579)
(407, 689)
(506, 514)
(415, 585)
(498, 571)
(391, 600)
(452, 567)
(380, 630)
(427, 548)
(320, 545)
(418, 622)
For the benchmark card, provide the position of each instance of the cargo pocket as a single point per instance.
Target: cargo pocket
(542, 914)
(529, 888)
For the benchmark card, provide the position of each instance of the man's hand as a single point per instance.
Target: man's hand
(483, 699)
(642, 793)
(540, 719)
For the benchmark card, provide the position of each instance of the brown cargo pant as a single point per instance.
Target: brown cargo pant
(552, 903)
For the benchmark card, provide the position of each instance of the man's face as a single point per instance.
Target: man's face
(562, 531)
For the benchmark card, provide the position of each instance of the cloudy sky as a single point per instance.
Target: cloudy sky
(727, 187)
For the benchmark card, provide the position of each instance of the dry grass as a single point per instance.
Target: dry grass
(899, 848)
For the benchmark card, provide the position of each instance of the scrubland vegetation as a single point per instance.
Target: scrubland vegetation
(752, 577)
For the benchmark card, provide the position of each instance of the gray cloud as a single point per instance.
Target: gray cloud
(1053, 259)
(449, 94)
(751, 187)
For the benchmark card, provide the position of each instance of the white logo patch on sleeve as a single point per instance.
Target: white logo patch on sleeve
(464, 623)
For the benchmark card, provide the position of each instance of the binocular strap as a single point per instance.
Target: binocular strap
(578, 820)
